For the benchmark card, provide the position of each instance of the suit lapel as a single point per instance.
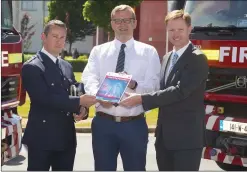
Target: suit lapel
(49, 64)
(46, 60)
(181, 61)
(61, 66)
(165, 62)
(54, 70)
(65, 79)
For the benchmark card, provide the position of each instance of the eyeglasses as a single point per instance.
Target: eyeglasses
(126, 20)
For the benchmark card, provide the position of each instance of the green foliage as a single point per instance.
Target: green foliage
(83, 57)
(99, 12)
(77, 64)
(70, 12)
(27, 57)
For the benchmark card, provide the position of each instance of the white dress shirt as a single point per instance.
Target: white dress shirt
(53, 58)
(179, 53)
(141, 61)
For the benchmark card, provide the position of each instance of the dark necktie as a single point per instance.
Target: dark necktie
(63, 78)
(57, 63)
(121, 59)
(58, 66)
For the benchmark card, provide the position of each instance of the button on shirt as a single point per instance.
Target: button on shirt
(179, 53)
(141, 61)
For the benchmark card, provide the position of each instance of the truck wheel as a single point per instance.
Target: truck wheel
(230, 167)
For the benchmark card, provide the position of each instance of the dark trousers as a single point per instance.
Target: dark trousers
(42, 160)
(176, 160)
(109, 138)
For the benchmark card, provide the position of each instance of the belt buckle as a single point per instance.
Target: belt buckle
(118, 119)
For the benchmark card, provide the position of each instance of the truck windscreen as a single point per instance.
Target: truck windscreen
(6, 21)
(231, 13)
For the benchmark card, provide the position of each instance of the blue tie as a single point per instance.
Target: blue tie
(121, 59)
(173, 61)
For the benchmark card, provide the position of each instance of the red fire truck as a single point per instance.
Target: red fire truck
(220, 31)
(11, 90)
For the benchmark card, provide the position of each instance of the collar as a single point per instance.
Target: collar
(181, 50)
(128, 44)
(53, 58)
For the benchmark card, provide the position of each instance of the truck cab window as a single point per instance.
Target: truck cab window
(6, 22)
(218, 13)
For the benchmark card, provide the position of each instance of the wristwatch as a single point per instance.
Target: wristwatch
(136, 84)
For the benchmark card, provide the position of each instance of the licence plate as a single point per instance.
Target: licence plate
(232, 126)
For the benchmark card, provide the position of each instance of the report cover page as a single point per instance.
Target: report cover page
(113, 87)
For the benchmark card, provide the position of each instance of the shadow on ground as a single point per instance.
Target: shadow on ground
(16, 161)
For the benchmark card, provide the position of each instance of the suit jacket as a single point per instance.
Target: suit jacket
(50, 123)
(180, 101)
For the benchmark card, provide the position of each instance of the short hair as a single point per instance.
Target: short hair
(176, 14)
(54, 23)
(122, 8)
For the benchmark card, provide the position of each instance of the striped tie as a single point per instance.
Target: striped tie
(121, 59)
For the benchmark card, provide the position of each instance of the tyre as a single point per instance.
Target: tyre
(230, 167)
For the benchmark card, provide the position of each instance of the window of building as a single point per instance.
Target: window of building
(29, 5)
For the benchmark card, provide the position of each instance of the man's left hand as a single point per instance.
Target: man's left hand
(132, 100)
(132, 84)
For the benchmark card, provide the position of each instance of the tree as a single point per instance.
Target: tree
(70, 12)
(26, 31)
(99, 11)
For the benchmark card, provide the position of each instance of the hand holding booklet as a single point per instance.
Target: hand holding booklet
(113, 87)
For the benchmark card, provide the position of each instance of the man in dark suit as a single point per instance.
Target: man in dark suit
(50, 132)
(180, 126)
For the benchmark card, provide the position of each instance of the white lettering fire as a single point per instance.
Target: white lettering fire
(226, 51)
(4, 59)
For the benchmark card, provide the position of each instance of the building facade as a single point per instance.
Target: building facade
(38, 10)
(150, 24)
(150, 28)
(150, 15)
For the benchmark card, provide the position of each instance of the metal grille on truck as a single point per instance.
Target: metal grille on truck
(9, 88)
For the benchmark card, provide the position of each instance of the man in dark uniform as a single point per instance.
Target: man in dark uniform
(50, 133)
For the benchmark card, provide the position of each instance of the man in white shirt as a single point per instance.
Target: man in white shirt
(116, 129)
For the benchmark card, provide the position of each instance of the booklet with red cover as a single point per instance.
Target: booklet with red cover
(113, 87)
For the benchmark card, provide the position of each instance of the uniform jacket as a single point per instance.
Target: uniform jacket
(50, 123)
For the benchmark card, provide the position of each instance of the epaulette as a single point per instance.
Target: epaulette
(31, 59)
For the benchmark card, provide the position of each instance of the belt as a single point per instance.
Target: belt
(120, 118)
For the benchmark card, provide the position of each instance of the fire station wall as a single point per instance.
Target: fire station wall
(151, 24)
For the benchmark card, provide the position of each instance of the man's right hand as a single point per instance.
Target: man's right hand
(87, 100)
(105, 104)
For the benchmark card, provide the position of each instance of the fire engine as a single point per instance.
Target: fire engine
(220, 31)
(12, 92)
